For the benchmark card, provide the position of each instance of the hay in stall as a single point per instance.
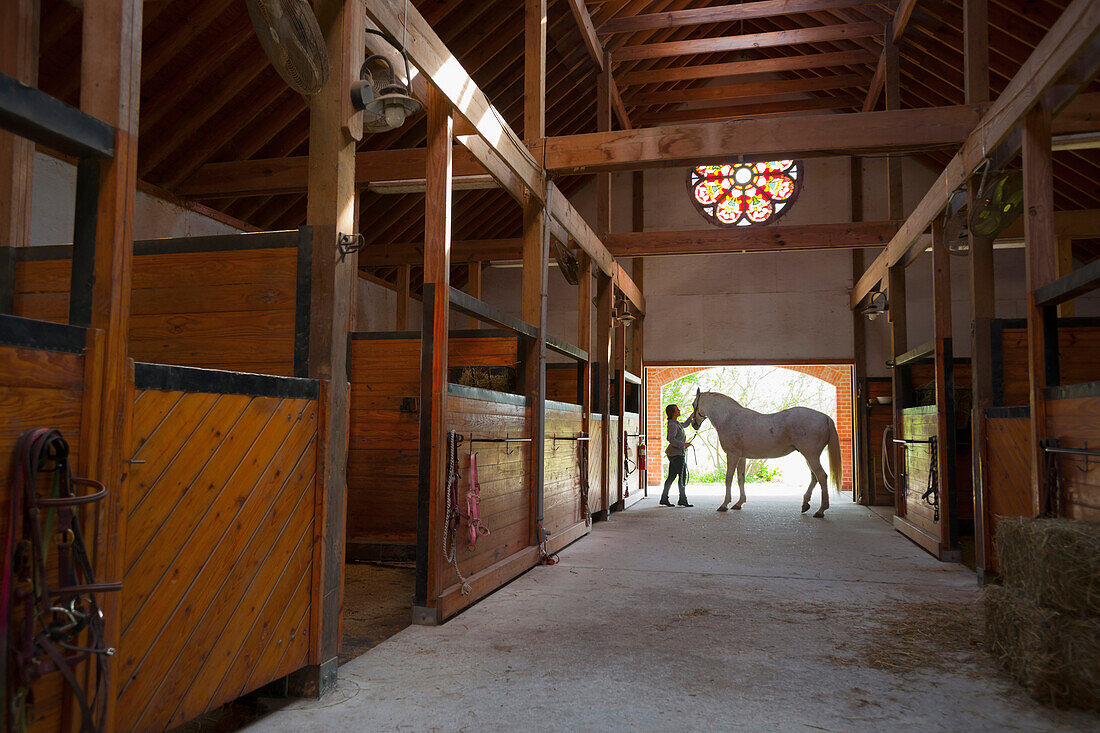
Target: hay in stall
(499, 379)
(1055, 656)
(1054, 561)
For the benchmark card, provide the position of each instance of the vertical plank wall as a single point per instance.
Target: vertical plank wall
(39, 388)
(1072, 418)
(919, 423)
(1078, 358)
(595, 463)
(382, 454)
(230, 309)
(219, 544)
(505, 480)
(562, 508)
(1008, 490)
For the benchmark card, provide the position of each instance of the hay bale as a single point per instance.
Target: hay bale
(1055, 656)
(1055, 561)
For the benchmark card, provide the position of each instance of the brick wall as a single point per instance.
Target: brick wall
(840, 376)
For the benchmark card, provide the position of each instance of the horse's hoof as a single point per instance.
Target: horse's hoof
(820, 514)
(736, 506)
(722, 508)
(806, 507)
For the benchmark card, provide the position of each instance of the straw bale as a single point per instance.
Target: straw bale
(1055, 656)
(1055, 561)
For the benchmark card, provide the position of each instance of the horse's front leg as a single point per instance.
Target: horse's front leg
(809, 493)
(740, 482)
(731, 466)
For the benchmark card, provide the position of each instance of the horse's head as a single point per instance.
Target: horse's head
(697, 415)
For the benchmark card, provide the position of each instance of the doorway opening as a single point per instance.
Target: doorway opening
(827, 388)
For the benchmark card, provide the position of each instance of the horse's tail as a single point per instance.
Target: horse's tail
(834, 456)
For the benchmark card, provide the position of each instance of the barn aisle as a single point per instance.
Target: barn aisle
(686, 619)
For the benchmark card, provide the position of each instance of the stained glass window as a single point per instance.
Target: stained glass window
(745, 194)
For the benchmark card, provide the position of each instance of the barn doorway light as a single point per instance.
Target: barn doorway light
(877, 305)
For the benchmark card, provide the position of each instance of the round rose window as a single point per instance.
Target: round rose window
(745, 194)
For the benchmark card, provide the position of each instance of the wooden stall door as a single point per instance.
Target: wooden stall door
(919, 523)
(1008, 491)
(1074, 421)
(219, 551)
(563, 512)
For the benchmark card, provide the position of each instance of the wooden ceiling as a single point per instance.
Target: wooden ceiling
(209, 94)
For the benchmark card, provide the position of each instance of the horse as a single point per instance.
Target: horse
(745, 433)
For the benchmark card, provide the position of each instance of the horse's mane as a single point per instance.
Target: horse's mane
(722, 397)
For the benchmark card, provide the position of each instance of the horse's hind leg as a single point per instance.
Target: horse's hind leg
(740, 483)
(818, 471)
(809, 493)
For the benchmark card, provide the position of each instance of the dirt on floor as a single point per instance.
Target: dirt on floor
(377, 604)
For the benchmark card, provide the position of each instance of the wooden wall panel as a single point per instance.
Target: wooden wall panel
(227, 309)
(561, 383)
(1008, 493)
(383, 448)
(39, 389)
(1074, 422)
(919, 426)
(562, 507)
(595, 463)
(878, 418)
(1078, 360)
(219, 551)
(504, 477)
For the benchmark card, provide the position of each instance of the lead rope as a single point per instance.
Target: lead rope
(931, 497)
(582, 446)
(450, 523)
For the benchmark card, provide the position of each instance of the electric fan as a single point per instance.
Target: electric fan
(999, 201)
(956, 230)
(292, 40)
(567, 263)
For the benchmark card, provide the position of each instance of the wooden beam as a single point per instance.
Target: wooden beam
(1071, 40)
(944, 367)
(330, 210)
(584, 338)
(776, 238)
(862, 480)
(497, 147)
(1041, 269)
(19, 20)
(907, 130)
(588, 32)
(605, 297)
(819, 34)
(722, 14)
(749, 109)
(899, 344)
(433, 355)
(1065, 267)
(534, 70)
(267, 177)
(976, 50)
(755, 66)
(894, 32)
(901, 19)
(110, 73)
(749, 89)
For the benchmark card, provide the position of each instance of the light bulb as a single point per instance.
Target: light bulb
(395, 115)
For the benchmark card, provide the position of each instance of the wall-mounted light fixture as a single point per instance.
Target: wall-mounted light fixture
(876, 306)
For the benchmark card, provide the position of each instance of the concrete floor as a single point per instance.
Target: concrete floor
(686, 619)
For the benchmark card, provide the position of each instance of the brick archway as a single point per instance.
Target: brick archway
(838, 375)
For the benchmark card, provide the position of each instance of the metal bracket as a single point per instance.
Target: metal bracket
(349, 244)
(424, 616)
(410, 404)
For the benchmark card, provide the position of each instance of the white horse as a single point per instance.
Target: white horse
(745, 433)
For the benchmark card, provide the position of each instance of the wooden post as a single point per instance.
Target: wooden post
(536, 252)
(898, 345)
(637, 273)
(402, 320)
(619, 372)
(1042, 268)
(19, 20)
(862, 483)
(945, 395)
(893, 101)
(584, 340)
(110, 75)
(433, 360)
(1065, 267)
(473, 287)
(982, 303)
(330, 210)
(604, 301)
